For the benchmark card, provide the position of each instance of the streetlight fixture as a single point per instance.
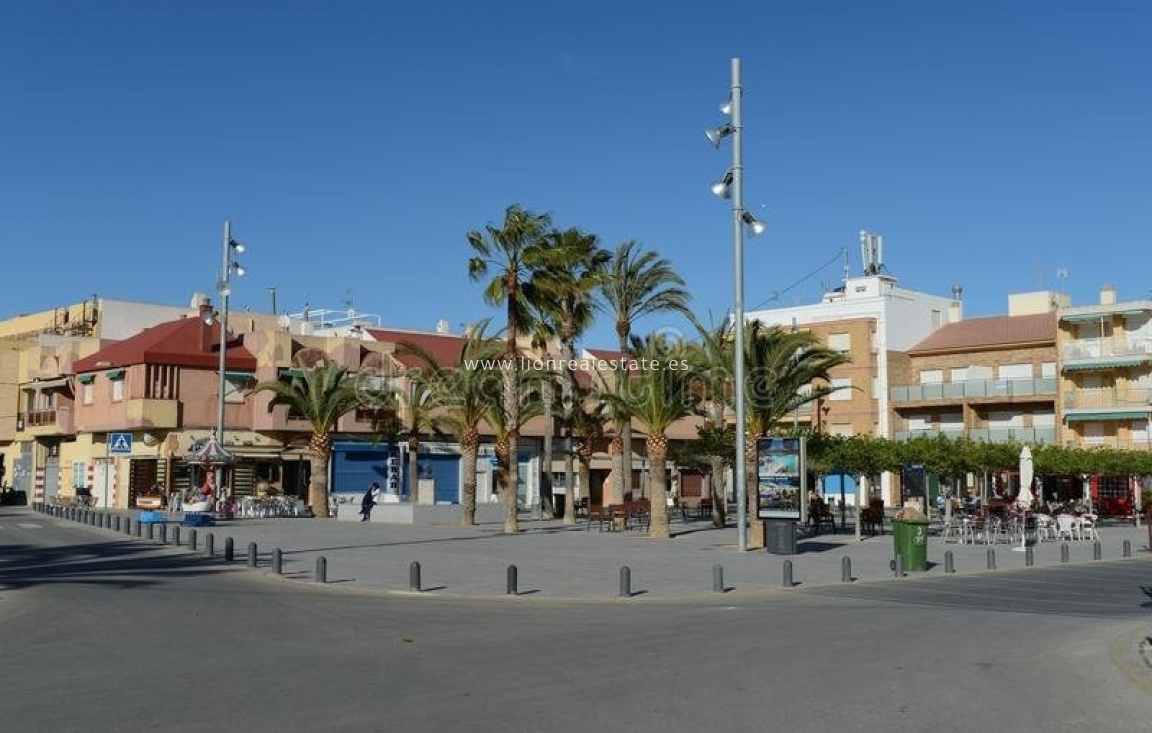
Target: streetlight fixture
(228, 266)
(732, 185)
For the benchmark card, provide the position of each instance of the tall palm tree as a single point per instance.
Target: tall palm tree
(635, 284)
(496, 417)
(587, 427)
(513, 251)
(464, 397)
(418, 418)
(784, 370)
(321, 395)
(712, 359)
(566, 283)
(658, 396)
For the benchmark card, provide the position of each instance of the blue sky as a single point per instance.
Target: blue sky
(354, 144)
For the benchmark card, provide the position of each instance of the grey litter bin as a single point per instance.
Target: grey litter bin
(781, 536)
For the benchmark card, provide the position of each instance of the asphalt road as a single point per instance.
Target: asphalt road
(101, 633)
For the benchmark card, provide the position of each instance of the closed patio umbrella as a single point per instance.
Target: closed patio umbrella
(1024, 498)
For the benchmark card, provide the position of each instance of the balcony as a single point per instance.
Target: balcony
(146, 413)
(1105, 353)
(49, 421)
(975, 389)
(987, 435)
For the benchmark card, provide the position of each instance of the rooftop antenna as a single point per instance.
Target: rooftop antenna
(844, 251)
(871, 252)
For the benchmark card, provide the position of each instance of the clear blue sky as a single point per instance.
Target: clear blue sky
(354, 144)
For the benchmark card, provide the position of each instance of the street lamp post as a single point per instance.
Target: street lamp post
(224, 289)
(732, 186)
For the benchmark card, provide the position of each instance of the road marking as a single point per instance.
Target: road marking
(28, 525)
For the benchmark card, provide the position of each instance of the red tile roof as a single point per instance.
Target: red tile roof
(992, 331)
(445, 348)
(176, 343)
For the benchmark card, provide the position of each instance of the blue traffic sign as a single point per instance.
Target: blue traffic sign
(119, 442)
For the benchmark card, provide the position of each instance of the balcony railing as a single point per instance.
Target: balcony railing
(47, 421)
(1105, 348)
(988, 435)
(975, 389)
(1108, 398)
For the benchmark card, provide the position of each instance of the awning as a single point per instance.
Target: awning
(239, 376)
(1084, 366)
(114, 374)
(1100, 416)
(1083, 317)
(86, 378)
(48, 384)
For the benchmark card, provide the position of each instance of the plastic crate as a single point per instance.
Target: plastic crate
(151, 517)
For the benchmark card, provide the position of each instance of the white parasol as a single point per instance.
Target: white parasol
(1024, 498)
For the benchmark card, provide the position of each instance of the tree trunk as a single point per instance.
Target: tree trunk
(657, 498)
(512, 417)
(716, 490)
(570, 495)
(469, 445)
(615, 492)
(549, 397)
(756, 538)
(626, 432)
(318, 486)
(413, 468)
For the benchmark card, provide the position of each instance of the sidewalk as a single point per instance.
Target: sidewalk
(555, 561)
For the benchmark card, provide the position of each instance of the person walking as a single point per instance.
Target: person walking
(371, 497)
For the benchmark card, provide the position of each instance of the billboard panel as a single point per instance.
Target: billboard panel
(781, 464)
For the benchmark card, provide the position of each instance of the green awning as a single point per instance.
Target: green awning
(1097, 416)
(1083, 317)
(114, 374)
(240, 376)
(1084, 366)
(86, 378)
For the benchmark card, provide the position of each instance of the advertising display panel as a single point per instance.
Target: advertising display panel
(781, 466)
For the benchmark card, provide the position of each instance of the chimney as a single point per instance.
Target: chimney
(442, 326)
(956, 307)
(1107, 295)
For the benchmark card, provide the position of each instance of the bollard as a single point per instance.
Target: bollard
(898, 566)
(846, 570)
(252, 554)
(321, 569)
(139, 529)
(116, 523)
(949, 562)
(625, 582)
(1127, 548)
(176, 535)
(151, 530)
(717, 578)
(192, 540)
(1097, 552)
(163, 533)
(510, 586)
(229, 549)
(787, 579)
(414, 577)
(991, 559)
(210, 544)
(1064, 552)
(127, 525)
(277, 561)
(1029, 557)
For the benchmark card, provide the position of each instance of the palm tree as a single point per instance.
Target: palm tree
(571, 271)
(586, 423)
(637, 283)
(712, 359)
(658, 396)
(463, 396)
(513, 251)
(785, 370)
(321, 395)
(496, 416)
(419, 418)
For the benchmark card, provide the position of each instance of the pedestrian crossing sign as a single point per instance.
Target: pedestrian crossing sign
(120, 442)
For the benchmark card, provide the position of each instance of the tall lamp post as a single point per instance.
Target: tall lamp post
(732, 186)
(224, 288)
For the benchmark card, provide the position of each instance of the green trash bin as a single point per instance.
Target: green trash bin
(910, 535)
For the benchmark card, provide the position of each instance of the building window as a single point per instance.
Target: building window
(1139, 431)
(841, 428)
(79, 475)
(841, 342)
(1092, 433)
(118, 390)
(842, 387)
(1014, 371)
(1048, 370)
(875, 387)
(931, 376)
(86, 393)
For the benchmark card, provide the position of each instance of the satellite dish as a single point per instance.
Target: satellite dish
(149, 439)
(284, 321)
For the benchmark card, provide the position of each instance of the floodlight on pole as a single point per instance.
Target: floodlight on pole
(732, 185)
(224, 289)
